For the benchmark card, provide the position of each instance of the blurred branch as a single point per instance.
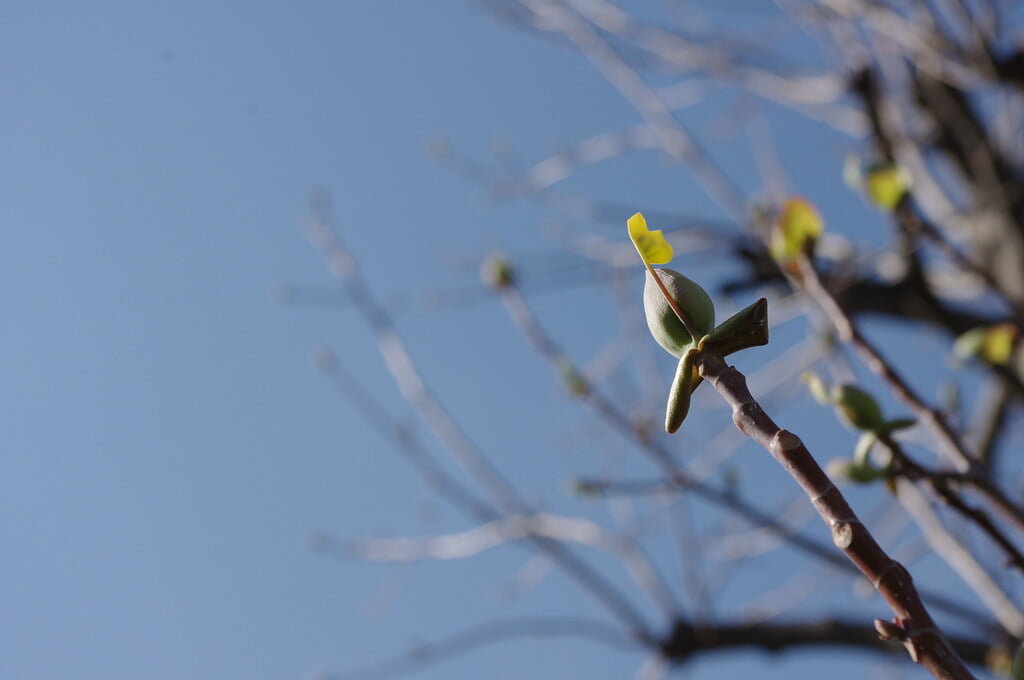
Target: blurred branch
(404, 371)
(960, 559)
(514, 528)
(688, 640)
(941, 484)
(683, 643)
(482, 635)
(954, 447)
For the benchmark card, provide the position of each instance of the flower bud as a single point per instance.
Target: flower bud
(665, 326)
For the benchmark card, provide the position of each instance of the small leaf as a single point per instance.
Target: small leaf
(651, 245)
(797, 228)
(886, 184)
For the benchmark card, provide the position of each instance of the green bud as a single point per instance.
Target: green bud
(857, 408)
(665, 326)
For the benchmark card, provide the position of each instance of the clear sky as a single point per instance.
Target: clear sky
(167, 444)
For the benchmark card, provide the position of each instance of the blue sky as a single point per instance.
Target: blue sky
(167, 443)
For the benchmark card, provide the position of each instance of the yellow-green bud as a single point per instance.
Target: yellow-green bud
(665, 326)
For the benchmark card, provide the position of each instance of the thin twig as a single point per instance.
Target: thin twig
(959, 558)
(404, 371)
(942, 486)
(484, 634)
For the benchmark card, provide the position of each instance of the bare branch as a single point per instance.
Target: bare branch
(485, 634)
(912, 625)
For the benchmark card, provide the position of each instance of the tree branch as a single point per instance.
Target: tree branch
(912, 624)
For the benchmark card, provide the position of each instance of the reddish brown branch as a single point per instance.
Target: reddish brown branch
(912, 624)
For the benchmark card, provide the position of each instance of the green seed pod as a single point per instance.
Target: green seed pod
(858, 408)
(665, 326)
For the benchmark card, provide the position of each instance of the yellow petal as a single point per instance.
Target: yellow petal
(651, 245)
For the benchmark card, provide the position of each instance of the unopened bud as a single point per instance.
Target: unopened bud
(691, 299)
